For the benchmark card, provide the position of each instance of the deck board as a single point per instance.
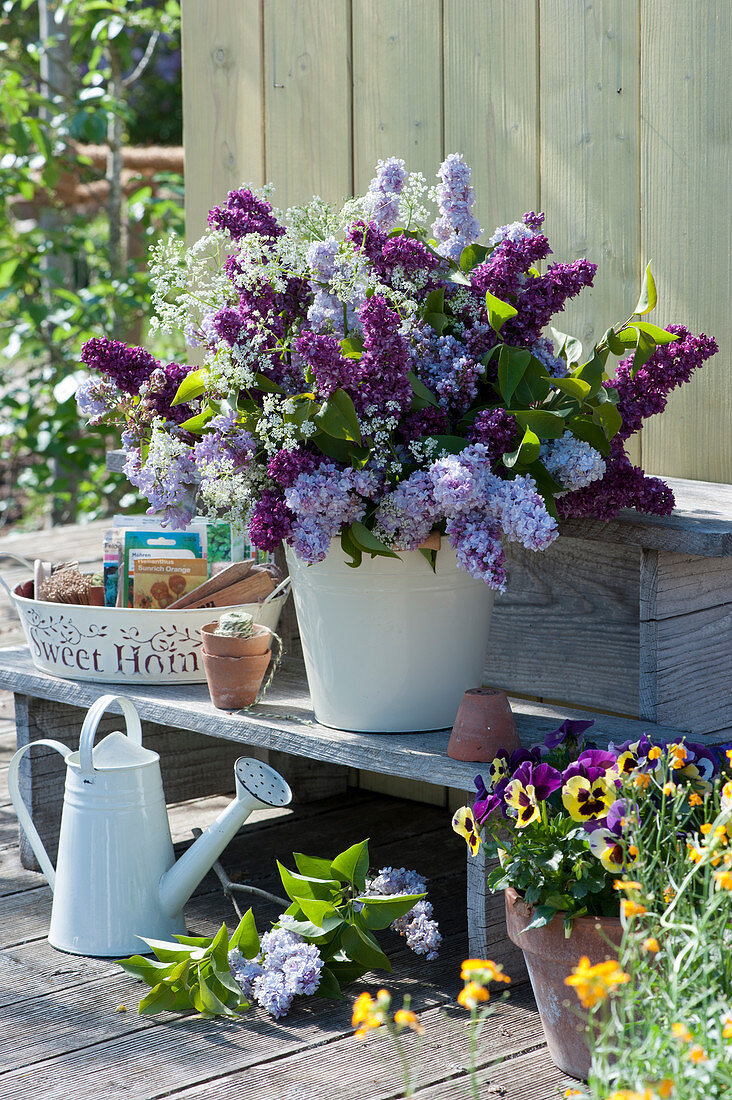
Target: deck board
(63, 1037)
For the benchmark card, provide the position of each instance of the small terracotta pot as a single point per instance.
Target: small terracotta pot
(227, 645)
(233, 682)
(484, 724)
(550, 958)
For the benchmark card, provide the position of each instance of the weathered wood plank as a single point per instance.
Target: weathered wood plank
(567, 626)
(307, 81)
(222, 103)
(397, 79)
(491, 104)
(525, 1077)
(686, 641)
(685, 148)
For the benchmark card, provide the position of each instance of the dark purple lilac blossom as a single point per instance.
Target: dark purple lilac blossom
(244, 213)
(384, 364)
(623, 486)
(496, 429)
(271, 521)
(127, 367)
(424, 422)
(161, 389)
(323, 355)
(286, 466)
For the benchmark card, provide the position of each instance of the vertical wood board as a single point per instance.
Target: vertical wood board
(491, 103)
(686, 113)
(307, 82)
(589, 153)
(397, 86)
(222, 103)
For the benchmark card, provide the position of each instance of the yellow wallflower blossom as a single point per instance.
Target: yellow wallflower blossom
(641, 780)
(677, 755)
(720, 834)
(651, 944)
(681, 1032)
(632, 908)
(727, 796)
(471, 994)
(697, 1054)
(727, 1026)
(406, 1018)
(592, 984)
(723, 880)
(655, 753)
(572, 1092)
(629, 1094)
(482, 970)
(728, 754)
(463, 823)
(664, 1088)
(669, 789)
(626, 884)
(695, 800)
(668, 894)
(369, 1013)
(705, 829)
(695, 855)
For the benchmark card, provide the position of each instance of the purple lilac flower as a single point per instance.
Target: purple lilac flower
(668, 368)
(127, 367)
(397, 880)
(505, 272)
(543, 296)
(522, 514)
(227, 324)
(496, 430)
(95, 397)
(384, 365)
(543, 350)
(245, 972)
(166, 478)
(406, 516)
(424, 422)
(382, 198)
(321, 256)
(446, 368)
(286, 466)
(543, 777)
(223, 443)
(244, 213)
(321, 503)
(456, 227)
(516, 231)
(623, 486)
(285, 968)
(409, 256)
(477, 544)
(421, 932)
(270, 523)
(572, 461)
(569, 730)
(323, 355)
(159, 392)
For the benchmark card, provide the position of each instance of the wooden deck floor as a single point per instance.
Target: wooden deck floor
(62, 1034)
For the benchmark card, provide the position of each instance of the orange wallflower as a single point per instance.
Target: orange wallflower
(369, 1013)
(482, 971)
(723, 879)
(406, 1018)
(626, 884)
(641, 780)
(697, 1054)
(471, 994)
(651, 944)
(632, 908)
(592, 984)
(681, 1032)
(705, 829)
(694, 799)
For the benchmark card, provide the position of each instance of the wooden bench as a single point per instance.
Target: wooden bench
(173, 716)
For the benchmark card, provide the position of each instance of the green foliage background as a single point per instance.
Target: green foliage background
(57, 283)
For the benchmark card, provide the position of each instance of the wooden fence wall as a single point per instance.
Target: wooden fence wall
(613, 116)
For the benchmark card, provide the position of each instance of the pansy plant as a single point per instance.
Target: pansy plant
(564, 817)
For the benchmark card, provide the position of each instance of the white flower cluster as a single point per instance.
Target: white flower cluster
(188, 283)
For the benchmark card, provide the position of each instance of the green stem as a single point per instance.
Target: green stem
(473, 1044)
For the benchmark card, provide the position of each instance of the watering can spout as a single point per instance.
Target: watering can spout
(257, 786)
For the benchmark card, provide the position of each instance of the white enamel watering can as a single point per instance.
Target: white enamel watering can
(116, 877)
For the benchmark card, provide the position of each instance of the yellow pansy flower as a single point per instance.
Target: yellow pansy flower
(523, 799)
(585, 800)
(463, 823)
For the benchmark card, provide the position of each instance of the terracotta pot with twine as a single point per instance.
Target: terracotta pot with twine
(550, 958)
(484, 724)
(235, 645)
(236, 663)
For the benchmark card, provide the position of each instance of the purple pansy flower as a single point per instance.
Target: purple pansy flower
(543, 778)
(569, 730)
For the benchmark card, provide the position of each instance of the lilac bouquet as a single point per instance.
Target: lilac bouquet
(569, 821)
(368, 378)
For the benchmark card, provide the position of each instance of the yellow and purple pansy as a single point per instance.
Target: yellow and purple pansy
(523, 799)
(587, 799)
(607, 841)
(570, 732)
(463, 823)
(531, 784)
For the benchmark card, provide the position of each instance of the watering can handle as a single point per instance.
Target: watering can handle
(89, 729)
(25, 819)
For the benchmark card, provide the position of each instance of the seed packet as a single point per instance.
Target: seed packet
(159, 582)
(113, 548)
(154, 544)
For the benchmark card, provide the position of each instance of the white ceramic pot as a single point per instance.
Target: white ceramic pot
(113, 644)
(390, 647)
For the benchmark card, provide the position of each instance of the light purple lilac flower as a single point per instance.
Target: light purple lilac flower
(285, 968)
(382, 198)
(95, 397)
(522, 514)
(417, 925)
(446, 368)
(477, 544)
(456, 227)
(406, 516)
(320, 258)
(223, 446)
(572, 462)
(543, 350)
(323, 501)
(166, 478)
